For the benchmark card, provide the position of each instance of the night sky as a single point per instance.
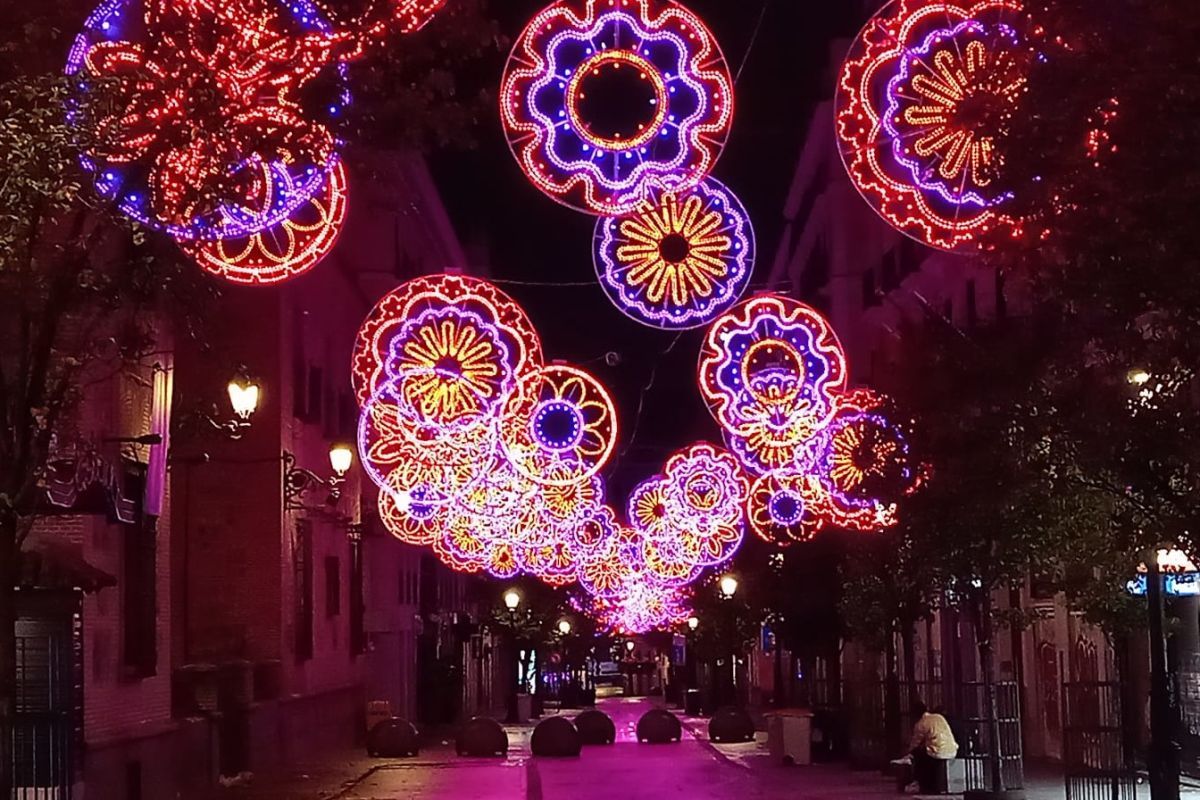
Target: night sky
(530, 238)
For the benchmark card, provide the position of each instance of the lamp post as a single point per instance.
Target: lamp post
(512, 601)
(1162, 760)
(728, 586)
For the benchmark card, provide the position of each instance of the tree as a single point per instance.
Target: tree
(75, 277)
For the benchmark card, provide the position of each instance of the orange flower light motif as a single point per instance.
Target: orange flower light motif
(284, 250)
(563, 428)
(958, 85)
(681, 257)
(923, 107)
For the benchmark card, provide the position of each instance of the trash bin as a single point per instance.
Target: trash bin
(789, 736)
(524, 707)
(692, 703)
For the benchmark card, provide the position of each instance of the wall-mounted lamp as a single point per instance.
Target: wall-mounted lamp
(297, 480)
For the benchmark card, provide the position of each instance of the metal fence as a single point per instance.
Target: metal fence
(977, 742)
(1096, 758)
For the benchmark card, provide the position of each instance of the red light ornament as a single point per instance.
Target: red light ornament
(601, 97)
(923, 106)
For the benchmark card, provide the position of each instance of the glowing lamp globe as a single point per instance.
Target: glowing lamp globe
(693, 623)
(512, 599)
(564, 626)
(340, 458)
(729, 585)
(243, 397)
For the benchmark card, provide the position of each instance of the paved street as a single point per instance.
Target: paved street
(693, 769)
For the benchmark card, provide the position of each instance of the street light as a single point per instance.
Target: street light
(243, 397)
(512, 599)
(629, 646)
(564, 626)
(729, 585)
(340, 458)
(1137, 376)
(693, 623)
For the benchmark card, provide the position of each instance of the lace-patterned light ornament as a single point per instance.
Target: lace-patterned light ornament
(203, 93)
(645, 605)
(561, 426)
(924, 103)
(777, 512)
(601, 97)
(705, 491)
(863, 464)
(284, 249)
(679, 258)
(430, 348)
(769, 369)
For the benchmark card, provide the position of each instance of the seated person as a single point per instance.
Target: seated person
(932, 742)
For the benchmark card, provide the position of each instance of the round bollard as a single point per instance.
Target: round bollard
(731, 724)
(482, 737)
(659, 727)
(393, 738)
(555, 737)
(596, 727)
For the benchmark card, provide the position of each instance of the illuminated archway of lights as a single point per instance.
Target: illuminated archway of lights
(673, 92)
(206, 136)
(492, 459)
(923, 105)
(679, 258)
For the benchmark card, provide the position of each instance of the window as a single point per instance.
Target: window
(358, 638)
(869, 298)
(315, 395)
(139, 579)
(303, 587)
(333, 586)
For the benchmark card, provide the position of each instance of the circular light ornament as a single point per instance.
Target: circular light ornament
(278, 251)
(599, 98)
(678, 259)
(199, 89)
(923, 106)
(374, 354)
(570, 430)
(771, 364)
(864, 465)
(777, 511)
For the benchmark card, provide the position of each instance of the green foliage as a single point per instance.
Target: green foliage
(432, 88)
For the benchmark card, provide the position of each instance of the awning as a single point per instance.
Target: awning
(51, 561)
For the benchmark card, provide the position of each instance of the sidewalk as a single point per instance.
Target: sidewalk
(1043, 781)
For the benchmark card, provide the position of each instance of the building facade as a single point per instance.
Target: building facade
(213, 597)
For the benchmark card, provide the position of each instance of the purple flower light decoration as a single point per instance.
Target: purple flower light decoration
(680, 258)
(598, 98)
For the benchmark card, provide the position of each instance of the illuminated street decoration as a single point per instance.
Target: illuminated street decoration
(769, 369)
(776, 510)
(391, 314)
(774, 376)
(492, 459)
(569, 430)
(283, 250)
(218, 123)
(923, 106)
(203, 90)
(678, 259)
(601, 97)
